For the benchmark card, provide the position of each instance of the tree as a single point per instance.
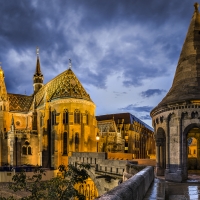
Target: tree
(59, 188)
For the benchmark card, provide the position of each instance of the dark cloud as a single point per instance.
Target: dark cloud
(145, 117)
(137, 108)
(151, 92)
(97, 35)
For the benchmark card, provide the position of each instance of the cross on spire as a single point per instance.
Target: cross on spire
(196, 5)
(70, 63)
(37, 51)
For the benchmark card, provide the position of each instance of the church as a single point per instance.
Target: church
(44, 128)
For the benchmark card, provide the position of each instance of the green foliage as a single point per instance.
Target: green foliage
(58, 188)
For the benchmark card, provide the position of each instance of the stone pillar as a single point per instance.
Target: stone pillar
(198, 153)
(180, 145)
(157, 159)
(167, 145)
(161, 156)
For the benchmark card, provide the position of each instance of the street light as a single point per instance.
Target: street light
(97, 139)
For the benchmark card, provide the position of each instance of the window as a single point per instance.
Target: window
(65, 116)
(29, 150)
(77, 116)
(65, 143)
(53, 117)
(86, 117)
(26, 150)
(76, 142)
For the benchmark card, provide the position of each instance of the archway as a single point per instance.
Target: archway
(191, 151)
(160, 151)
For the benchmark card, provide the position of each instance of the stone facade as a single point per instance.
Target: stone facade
(176, 119)
(44, 128)
(123, 132)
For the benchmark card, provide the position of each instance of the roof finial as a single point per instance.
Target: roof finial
(196, 5)
(37, 51)
(70, 63)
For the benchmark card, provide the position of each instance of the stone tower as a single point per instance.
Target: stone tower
(176, 119)
(3, 100)
(38, 76)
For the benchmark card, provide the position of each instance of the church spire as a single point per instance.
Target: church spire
(186, 83)
(38, 76)
(3, 91)
(38, 70)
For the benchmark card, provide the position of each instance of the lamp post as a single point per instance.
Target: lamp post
(97, 139)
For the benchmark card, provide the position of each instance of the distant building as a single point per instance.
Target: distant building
(123, 132)
(44, 128)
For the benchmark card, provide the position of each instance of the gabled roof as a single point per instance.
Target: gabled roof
(65, 85)
(19, 103)
(186, 83)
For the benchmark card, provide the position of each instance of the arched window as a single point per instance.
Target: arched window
(65, 143)
(29, 151)
(24, 150)
(53, 117)
(77, 116)
(76, 142)
(86, 117)
(65, 116)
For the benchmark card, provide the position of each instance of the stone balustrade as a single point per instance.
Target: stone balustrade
(134, 188)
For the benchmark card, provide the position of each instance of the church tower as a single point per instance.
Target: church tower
(176, 119)
(38, 76)
(3, 99)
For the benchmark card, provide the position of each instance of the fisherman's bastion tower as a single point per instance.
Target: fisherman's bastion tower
(176, 119)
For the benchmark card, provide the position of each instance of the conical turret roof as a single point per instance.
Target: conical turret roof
(186, 83)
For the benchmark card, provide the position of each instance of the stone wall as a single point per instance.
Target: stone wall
(134, 188)
(7, 176)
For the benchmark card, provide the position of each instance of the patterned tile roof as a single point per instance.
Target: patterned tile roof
(20, 103)
(65, 85)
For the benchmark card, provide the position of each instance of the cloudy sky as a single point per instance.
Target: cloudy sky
(124, 52)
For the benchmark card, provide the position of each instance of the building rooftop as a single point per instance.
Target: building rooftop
(128, 119)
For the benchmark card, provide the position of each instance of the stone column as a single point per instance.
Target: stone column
(167, 144)
(198, 153)
(180, 144)
(157, 155)
(161, 156)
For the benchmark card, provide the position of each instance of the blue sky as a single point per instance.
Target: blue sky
(124, 52)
